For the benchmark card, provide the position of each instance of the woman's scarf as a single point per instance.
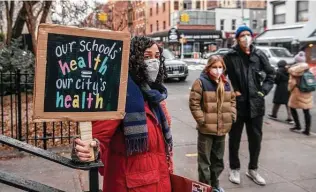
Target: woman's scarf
(134, 123)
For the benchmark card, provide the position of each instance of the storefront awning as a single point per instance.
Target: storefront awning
(191, 32)
(279, 35)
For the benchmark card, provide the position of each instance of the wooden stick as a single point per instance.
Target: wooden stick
(86, 136)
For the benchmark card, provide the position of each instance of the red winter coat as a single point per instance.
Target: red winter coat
(144, 172)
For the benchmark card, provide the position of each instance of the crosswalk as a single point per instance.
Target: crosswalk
(196, 67)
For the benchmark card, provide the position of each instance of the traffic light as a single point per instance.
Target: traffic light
(103, 17)
(184, 17)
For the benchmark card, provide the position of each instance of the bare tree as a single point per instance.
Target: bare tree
(70, 12)
(9, 6)
(29, 13)
(32, 15)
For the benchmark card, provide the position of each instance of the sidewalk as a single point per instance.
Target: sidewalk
(287, 162)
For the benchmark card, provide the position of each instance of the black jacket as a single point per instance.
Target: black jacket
(281, 94)
(246, 74)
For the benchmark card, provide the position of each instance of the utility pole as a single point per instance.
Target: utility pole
(242, 11)
(182, 42)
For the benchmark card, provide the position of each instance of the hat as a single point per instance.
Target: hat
(241, 29)
(300, 57)
(281, 63)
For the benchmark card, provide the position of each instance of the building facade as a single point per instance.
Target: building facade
(247, 4)
(229, 19)
(158, 17)
(190, 18)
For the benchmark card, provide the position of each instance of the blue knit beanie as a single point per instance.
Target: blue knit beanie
(241, 29)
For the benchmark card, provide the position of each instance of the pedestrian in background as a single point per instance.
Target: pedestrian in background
(281, 94)
(299, 99)
(245, 66)
(213, 106)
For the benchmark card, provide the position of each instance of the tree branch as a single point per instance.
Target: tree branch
(39, 11)
(46, 8)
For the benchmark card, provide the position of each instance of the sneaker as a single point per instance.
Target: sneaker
(295, 129)
(218, 189)
(272, 116)
(306, 133)
(234, 176)
(254, 175)
(289, 121)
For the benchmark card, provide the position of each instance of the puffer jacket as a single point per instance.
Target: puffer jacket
(298, 99)
(247, 77)
(203, 106)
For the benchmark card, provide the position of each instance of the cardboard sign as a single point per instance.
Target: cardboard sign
(81, 74)
(183, 184)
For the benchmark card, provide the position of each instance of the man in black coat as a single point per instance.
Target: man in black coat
(252, 77)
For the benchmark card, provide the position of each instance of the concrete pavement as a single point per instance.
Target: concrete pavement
(287, 159)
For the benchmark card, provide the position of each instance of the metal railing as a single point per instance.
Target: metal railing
(16, 100)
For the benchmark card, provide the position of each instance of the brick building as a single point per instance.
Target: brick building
(198, 30)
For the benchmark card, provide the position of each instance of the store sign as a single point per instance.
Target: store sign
(173, 35)
(192, 37)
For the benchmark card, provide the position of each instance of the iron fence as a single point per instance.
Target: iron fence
(16, 110)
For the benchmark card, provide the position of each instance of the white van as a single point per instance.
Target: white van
(275, 54)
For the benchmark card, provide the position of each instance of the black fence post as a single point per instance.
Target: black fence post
(45, 135)
(94, 179)
(19, 115)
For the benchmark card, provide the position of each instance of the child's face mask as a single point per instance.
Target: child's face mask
(217, 72)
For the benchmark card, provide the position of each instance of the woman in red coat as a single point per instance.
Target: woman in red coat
(136, 151)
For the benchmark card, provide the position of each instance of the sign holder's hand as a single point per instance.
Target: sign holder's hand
(86, 138)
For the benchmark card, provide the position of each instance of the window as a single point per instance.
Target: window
(280, 52)
(222, 24)
(234, 24)
(151, 11)
(198, 4)
(164, 7)
(151, 28)
(157, 25)
(301, 11)
(164, 24)
(157, 8)
(187, 4)
(279, 13)
(254, 24)
(176, 5)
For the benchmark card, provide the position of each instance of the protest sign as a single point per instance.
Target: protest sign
(81, 74)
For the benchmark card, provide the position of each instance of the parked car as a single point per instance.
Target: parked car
(275, 54)
(175, 67)
(221, 52)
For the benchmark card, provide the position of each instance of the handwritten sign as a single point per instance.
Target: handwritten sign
(81, 74)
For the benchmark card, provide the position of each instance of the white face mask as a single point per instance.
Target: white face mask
(217, 71)
(152, 68)
(246, 40)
